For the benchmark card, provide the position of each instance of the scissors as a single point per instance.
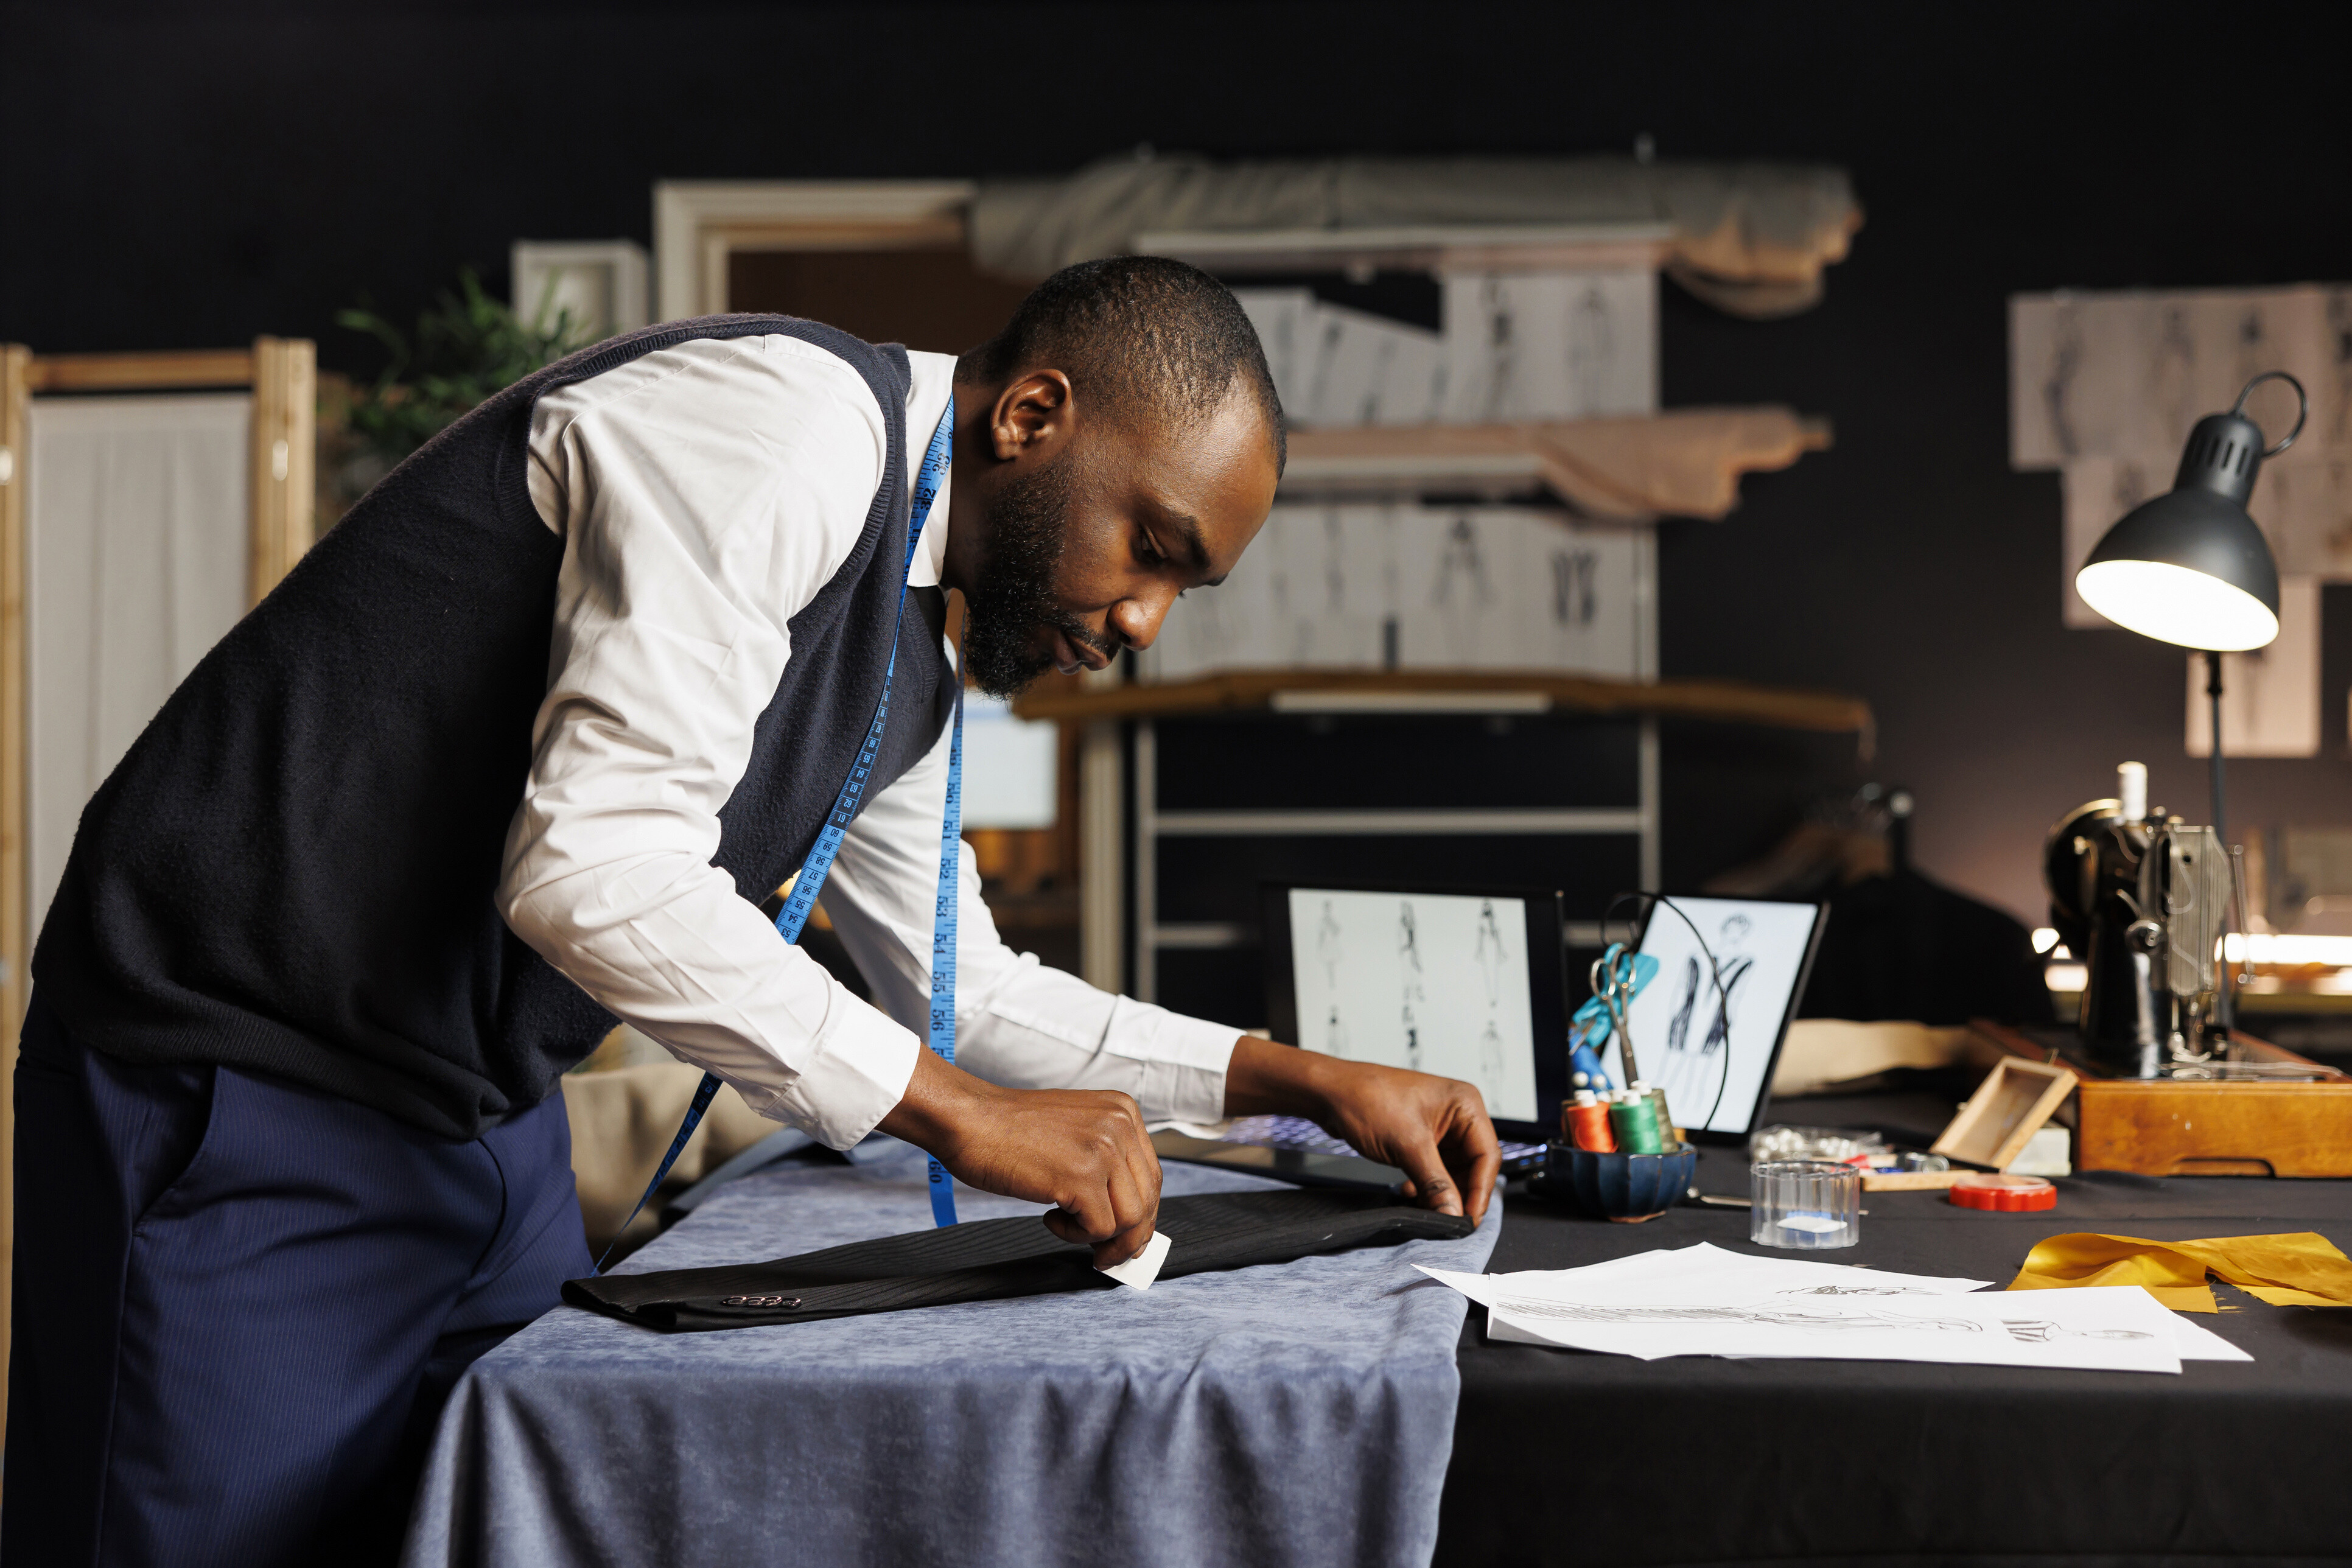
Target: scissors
(1618, 977)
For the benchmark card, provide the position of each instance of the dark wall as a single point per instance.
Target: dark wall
(192, 177)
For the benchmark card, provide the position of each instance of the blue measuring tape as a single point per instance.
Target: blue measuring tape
(814, 870)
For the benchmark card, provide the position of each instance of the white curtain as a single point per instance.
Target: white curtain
(136, 541)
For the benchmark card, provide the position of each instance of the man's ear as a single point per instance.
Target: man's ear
(1033, 414)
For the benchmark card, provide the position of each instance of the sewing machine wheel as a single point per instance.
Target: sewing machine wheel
(2068, 858)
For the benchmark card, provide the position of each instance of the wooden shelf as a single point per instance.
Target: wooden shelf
(1458, 690)
(190, 368)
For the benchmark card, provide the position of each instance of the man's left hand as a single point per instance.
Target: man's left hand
(1434, 1129)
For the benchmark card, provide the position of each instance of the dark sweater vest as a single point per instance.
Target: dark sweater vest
(292, 870)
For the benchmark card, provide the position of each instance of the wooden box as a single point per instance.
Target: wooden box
(2166, 1127)
(2004, 1112)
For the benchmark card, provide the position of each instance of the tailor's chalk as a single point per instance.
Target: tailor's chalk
(1139, 1271)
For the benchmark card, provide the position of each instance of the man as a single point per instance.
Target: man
(515, 752)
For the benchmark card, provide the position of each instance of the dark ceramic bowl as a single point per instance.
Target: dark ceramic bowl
(1626, 1188)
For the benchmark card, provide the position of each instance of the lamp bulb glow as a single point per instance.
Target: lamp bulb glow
(2176, 604)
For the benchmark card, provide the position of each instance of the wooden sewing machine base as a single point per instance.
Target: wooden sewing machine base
(2168, 1127)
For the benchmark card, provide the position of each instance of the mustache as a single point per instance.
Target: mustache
(1082, 636)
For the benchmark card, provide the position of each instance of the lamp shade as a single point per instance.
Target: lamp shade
(2191, 567)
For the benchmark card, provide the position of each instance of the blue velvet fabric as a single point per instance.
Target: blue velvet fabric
(1293, 1413)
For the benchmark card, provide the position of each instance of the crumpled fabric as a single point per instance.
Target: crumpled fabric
(2300, 1268)
(1684, 462)
(1749, 238)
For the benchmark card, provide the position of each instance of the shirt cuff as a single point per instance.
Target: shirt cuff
(1184, 1059)
(858, 1076)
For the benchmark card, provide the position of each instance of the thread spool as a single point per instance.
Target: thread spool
(2131, 790)
(1665, 1118)
(1635, 1124)
(1588, 1123)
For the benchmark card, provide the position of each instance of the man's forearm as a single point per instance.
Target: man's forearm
(1265, 1079)
(1083, 1152)
(1421, 1124)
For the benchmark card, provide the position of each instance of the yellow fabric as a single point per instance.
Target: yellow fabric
(2301, 1268)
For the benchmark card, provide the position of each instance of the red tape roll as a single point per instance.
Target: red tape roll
(2007, 1194)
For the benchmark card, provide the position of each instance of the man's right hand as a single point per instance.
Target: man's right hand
(1083, 1151)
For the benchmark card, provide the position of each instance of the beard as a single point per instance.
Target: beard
(1027, 527)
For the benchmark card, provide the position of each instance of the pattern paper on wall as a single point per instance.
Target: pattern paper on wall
(1549, 346)
(1379, 587)
(2106, 387)
(2270, 697)
(1514, 346)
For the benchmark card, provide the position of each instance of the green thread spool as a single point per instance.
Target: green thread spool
(1636, 1123)
(1657, 1099)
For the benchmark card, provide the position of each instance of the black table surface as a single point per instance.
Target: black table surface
(1564, 1456)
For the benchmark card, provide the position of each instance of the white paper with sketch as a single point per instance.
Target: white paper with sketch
(1284, 318)
(1368, 369)
(2105, 386)
(1705, 1302)
(2270, 696)
(1655, 1268)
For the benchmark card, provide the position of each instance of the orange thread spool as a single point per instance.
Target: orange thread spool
(1588, 1126)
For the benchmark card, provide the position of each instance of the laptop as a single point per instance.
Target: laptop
(1469, 984)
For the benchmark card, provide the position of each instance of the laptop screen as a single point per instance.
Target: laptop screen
(1435, 982)
(1711, 1053)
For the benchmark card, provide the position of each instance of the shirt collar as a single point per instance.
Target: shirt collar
(933, 377)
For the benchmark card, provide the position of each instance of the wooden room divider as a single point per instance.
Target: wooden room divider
(282, 374)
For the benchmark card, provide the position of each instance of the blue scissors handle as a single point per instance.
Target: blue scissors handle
(1617, 977)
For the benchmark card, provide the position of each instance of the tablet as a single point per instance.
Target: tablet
(1467, 983)
(1712, 1049)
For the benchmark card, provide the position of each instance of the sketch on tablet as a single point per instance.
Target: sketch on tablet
(1436, 981)
(1335, 1036)
(1492, 959)
(1491, 1065)
(1691, 1075)
(1330, 947)
(1409, 956)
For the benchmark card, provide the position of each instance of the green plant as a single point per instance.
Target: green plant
(467, 346)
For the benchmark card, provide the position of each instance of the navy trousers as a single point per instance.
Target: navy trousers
(240, 1305)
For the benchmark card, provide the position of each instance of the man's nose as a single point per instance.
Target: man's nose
(1137, 620)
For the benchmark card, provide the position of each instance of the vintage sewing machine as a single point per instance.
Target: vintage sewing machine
(2143, 900)
(2166, 1085)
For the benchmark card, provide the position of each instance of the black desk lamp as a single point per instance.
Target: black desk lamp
(2191, 567)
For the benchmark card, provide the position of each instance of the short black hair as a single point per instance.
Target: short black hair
(1142, 338)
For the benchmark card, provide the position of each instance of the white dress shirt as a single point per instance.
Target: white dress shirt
(704, 494)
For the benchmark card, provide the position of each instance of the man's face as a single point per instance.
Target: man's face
(1088, 532)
